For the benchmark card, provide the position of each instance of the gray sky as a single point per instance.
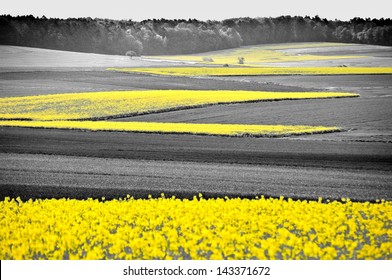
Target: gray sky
(199, 9)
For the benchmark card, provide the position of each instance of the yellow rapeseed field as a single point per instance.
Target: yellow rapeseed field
(161, 228)
(257, 55)
(101, 105)
(253, 71)
(180, 128)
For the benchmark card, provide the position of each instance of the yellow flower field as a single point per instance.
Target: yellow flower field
(257, 55)
(103, 105)
(180, 128)
(253, 71)
(200, 228)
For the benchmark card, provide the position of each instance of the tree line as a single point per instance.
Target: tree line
(164, 37)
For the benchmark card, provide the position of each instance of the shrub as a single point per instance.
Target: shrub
(131, 54)
(208, 59)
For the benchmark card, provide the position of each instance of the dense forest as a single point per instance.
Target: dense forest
(161, 36)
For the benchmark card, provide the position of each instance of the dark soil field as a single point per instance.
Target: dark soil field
(52, 82)
(356, 163)
(367, 118)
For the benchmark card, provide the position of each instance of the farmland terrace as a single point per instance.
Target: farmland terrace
(355, 163)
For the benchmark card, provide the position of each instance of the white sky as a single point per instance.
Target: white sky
(199, 9)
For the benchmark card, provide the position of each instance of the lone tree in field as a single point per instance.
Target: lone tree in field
(131, 54)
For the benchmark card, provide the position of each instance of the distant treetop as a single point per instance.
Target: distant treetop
(184, 36)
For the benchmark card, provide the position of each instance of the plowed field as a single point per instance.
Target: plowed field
(354, 163)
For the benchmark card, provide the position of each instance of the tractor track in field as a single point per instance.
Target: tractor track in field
(45, 163)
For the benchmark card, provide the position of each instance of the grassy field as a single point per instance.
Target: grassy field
(15, 58)
(228, 71)
(259, 55)
(90, 159)
(316, 54)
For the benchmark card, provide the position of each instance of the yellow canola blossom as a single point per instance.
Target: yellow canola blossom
(253, 71)
(194, 229)
(179, 128)
(257, 55)
(112, 104)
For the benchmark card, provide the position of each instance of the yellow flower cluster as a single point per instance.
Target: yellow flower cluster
(253, 71)
(257, 55)
(96, 105)
(180, 128)
(199, 228)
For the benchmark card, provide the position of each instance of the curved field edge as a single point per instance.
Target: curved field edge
(197, 229)
(116, 104)
(233, 130)
(255, 56)
(253, 71)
